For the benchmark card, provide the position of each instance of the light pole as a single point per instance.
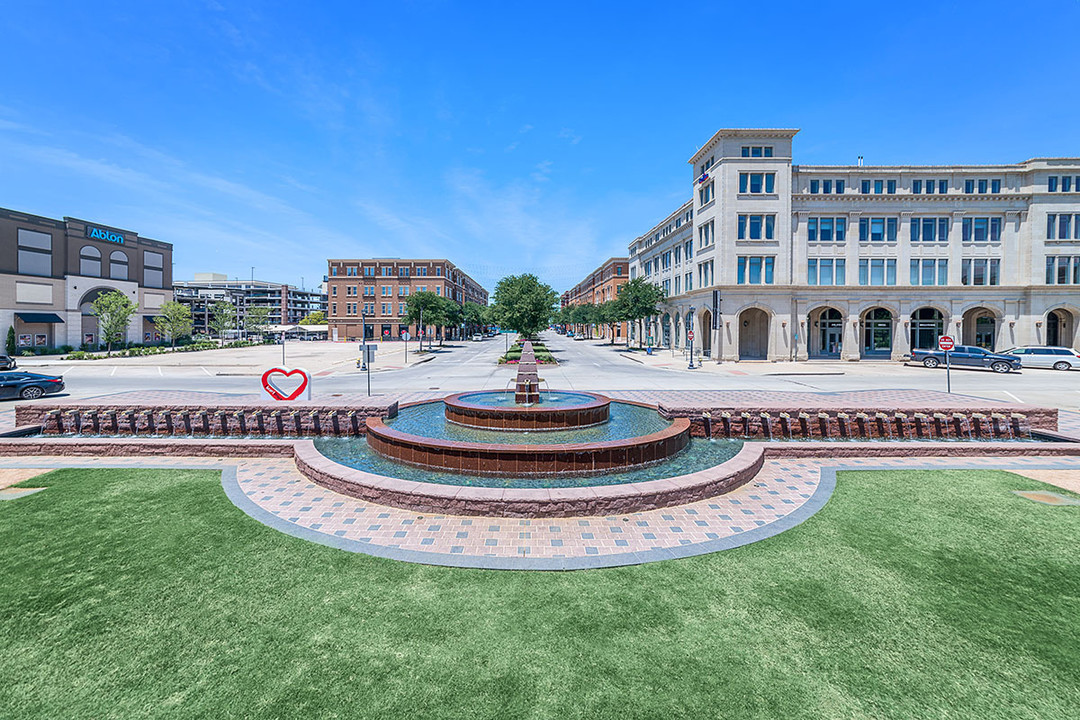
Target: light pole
(363, 341)
(690, 335)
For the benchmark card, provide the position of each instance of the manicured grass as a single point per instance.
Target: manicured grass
(911, 594)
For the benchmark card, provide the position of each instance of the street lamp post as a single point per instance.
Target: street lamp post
(690, 335)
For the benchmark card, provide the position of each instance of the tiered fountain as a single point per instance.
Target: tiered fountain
(553, 424)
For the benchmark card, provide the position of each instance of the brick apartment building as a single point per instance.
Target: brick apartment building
(367, 297)
(600, 286)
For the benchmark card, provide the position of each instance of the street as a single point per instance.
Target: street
(583, 365)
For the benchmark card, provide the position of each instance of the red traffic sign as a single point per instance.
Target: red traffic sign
(946, 343)
(690, 335)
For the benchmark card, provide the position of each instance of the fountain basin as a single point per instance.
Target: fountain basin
(527, 460)
(555, 411)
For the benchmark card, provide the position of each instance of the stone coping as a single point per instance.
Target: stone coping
(148, 446)
(628, 497)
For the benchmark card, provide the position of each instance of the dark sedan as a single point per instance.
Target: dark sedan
(968, 356)
(28, 386)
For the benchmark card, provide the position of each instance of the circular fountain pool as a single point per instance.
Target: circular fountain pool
(634, 435)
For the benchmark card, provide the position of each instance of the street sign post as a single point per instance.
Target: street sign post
(945, 343)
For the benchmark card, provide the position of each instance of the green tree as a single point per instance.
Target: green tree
(317, 317)
(639, 299)
(174, 321)
(474, 316)
(11, 347)
(113, 310)
(609, 313)
(524, 304)
(452, 315)
(222, 319)
(427, 304)
(257, 319)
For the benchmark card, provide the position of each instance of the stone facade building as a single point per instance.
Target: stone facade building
(377, 289)
(52, 270)
(789, 262)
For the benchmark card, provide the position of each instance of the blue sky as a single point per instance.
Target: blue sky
(508, 137)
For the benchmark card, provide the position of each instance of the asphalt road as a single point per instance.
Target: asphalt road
(583, 365)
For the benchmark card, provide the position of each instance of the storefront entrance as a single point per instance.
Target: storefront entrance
(927, 325)
(877, 333)
(827, 335)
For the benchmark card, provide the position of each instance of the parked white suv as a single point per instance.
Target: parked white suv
(1043, 356)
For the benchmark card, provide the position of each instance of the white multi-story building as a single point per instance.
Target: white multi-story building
(790, 262)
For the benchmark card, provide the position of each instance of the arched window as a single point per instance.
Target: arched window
(118, 265)
(90, 261)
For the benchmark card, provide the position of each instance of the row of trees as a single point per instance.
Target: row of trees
(636, 300)
(114, 311)
(438, 311)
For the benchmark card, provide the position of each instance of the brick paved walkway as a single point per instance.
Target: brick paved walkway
(785, 493)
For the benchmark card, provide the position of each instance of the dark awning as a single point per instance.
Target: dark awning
(39, 317)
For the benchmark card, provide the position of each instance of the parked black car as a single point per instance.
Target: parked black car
(7, 362)
(28, 386)
(968, 356)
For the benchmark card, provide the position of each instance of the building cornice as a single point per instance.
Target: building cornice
(751, 133)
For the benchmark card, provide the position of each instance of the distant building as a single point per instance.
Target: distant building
(600, 286)
(369, 295)
(52, 270)
(287, 304)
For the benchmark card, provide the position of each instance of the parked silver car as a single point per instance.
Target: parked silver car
(1045, 356)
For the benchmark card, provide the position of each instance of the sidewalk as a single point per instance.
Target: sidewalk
(680, 361)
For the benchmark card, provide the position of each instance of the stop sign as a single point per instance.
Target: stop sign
(945, 343)
(690, 335)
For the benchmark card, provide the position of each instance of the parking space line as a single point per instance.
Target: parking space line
(160, 374)
(205, 371)
(113, 370)
(1006, 392)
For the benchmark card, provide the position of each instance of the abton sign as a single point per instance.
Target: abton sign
(96, 233)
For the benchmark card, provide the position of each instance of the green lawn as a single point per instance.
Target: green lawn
(130, 594)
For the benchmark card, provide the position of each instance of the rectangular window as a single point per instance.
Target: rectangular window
(879, 186)
(980, 271)
(1052, 184)
(1051, 223)
(815, 187)
(705, 234)
(995, 186)
(811, 229)
(982, 187)
(826, 187)
(35, 253)
(839, 187)
(877, 229)
(929, 272)
(877, 271)
(755, 227)
(864, 187)
(705, 194)
(825, 271)
(1066, 183)
(153, 269)
(891, 187)
(1064, 226)
(969, 186)
(916, 187)
(755, 270)
(826, 229)
(942, 187)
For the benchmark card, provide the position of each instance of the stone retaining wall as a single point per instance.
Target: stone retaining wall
(865, 422)
(184, 420)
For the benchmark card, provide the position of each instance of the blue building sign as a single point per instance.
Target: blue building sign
(95, 233)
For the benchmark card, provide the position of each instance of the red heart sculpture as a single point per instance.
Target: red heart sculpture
(275, 392)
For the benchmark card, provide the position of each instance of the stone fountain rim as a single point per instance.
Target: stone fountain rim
(598, 401)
